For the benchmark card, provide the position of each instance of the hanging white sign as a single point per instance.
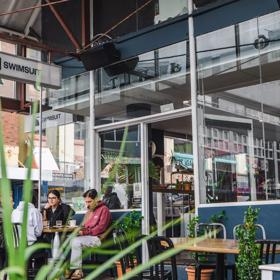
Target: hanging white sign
(29, 71)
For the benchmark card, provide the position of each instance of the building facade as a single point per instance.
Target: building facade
(187, 117)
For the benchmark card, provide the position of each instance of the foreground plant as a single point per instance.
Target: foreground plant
(18, 256)
(248, 260)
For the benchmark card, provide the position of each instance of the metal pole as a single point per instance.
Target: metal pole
(40, 148)
(145, 186)
(93, 135)
(91, 129)
(193, 82)
(275, 161)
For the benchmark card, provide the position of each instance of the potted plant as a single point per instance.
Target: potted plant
(130, 226)
(219, 217)
(206, 274)
(248, 260)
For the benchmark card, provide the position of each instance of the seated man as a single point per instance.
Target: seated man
(111, 199)
(34, 221)
(97, 220)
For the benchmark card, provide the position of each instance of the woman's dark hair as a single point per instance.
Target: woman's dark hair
(92, 193)
(55, 192)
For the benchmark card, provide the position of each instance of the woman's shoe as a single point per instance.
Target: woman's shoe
(78, 274)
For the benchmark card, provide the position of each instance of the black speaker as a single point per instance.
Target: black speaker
(100, 56)
(126, 66)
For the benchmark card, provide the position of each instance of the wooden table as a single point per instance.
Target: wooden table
(217, 246)
(56, 240)
(58, 229)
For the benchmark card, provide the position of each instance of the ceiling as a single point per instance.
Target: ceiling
(178, 127)
(25, 23)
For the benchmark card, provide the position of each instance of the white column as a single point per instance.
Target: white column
(145, 185)
(193, 82)
(251, 164)
(40, 149)
(160, 213)
(275, 161)
(94, 149)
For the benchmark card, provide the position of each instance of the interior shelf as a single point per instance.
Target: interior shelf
(165, 190)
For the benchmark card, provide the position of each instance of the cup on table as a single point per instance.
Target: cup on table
(58, 223)
(72, 223)
(46, 223)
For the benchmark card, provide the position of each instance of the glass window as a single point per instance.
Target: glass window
(63, 155)
(31, 93)
(154, 82)
(66, 137)
(244, 80)
(143, 14)
(7, 87)
(121, 168)
(166, 9)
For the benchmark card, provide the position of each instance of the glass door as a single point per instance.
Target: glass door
(171, 174)
(120, 171)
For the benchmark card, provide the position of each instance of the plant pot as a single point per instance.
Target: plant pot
(119, 268)
(206, 274)
(187, 186)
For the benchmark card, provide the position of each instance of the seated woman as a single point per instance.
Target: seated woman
(55, 210)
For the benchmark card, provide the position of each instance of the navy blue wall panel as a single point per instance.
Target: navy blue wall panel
(268, 217)
(235, 12)
(276, 275)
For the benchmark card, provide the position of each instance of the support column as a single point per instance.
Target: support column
(275, 162)
(251, 164)
(94, 149)
(40, 148)
(145, 185)
(193, 83)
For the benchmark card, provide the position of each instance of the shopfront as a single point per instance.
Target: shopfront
(139, 119)
(188, 119)
(137, 115)
(238, 108)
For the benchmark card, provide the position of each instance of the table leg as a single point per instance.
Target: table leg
(55, 246)
(220, 268)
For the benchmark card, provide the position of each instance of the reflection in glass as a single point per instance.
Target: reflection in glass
(239, 111)
(63, 155)
(121, 167)
(152, 83)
